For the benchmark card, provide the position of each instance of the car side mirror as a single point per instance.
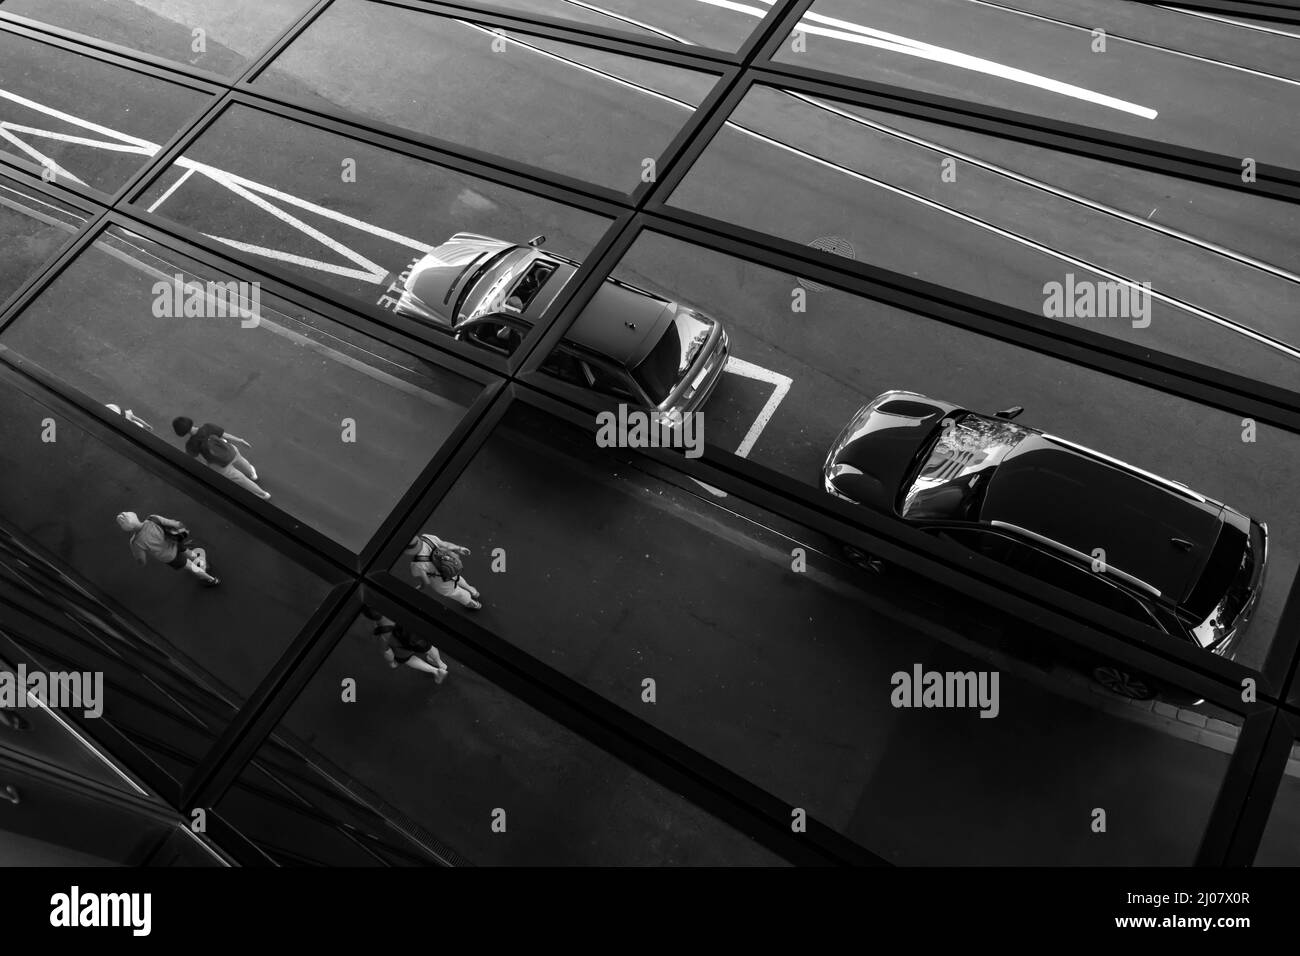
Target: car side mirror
(536, 240)
(1009, 413)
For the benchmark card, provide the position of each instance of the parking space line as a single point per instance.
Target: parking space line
(781, 385)
(171, 189)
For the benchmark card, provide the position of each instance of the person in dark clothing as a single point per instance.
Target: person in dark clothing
(216, 446)
(402, 647)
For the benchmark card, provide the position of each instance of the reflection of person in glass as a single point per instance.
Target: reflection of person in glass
(436, 564)
(216, 446)
(165, 540)
(401, 647)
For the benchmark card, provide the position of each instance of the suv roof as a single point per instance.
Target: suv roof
(1086, 502)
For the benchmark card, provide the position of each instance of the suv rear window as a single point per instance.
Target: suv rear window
(673, 355)
(1230, 557)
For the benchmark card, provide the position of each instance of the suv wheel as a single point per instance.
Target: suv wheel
(1122, 683)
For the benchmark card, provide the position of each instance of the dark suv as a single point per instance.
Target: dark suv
(1119, 536)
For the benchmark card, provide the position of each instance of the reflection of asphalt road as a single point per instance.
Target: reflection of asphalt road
(845, 350)
(914, 232)
(785, 677)
(443, 78)
(1182, 90)
(838, 353)
(65, 493)
(449, 755)
(232, 32)
(285, 389)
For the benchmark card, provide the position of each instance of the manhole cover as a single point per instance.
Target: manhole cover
(839, 246)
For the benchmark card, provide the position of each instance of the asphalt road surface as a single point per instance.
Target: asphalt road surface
(782, 676)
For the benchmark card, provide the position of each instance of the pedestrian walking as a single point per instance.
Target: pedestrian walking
(401, 647)
(436, 564)
(166, 540)
(216, 446)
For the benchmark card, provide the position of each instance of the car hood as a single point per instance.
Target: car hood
(880, 445)
(438, 279)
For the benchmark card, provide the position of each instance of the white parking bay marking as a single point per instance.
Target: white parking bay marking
(781, 385)
(260, 195)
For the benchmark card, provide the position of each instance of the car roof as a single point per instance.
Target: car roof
(1086, 502)
(622, 323)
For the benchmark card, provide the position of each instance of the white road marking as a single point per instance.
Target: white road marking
(362, 275)
(77, 121)
(37, 155)
(1140, 43)
(171, 189)
(857, 33)
(81, 140)
(576, 65)
(1045, 187)
(373, 272)
(781, 385)
(311, 207)
(626, 19)
(1236, 23)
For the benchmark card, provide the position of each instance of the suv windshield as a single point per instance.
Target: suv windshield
(673, 355)
(956, 471)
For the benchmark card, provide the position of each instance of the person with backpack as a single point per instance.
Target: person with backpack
(401, 647)
(168, 541)
(216, 446)
(436, 564)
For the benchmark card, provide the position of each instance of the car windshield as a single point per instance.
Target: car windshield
(954, 474)
(487, 283)
(673, 355)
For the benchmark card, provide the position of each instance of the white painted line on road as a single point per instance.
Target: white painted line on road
(312, 207)
(868, 36)
(171, 189)
(45, 161)
(781, 385)
(30, 213)
(80, 140)
(1141, 43)
(1236, 23)
(1046, 187)
(626, 19)
(576, 65)
(359, 274)
(373, 272)
(77, 121)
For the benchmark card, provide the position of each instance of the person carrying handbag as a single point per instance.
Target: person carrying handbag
(436, 564)
(168, 541)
